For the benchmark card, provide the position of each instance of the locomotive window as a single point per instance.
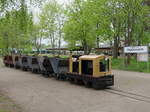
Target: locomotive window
(87, 67)
(104, 65)
(76, 67)
(75, 64)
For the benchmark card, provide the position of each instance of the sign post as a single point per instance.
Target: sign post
(141, 51)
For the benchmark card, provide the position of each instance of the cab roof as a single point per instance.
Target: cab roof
(91, 56)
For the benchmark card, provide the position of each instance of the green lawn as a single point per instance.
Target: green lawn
(50, 55)
(7, 105)
(134, 66)
(1, 62)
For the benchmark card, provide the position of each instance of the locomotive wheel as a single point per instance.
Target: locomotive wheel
(71, 80)
(87, 84)
(80, 82)
(97, 86)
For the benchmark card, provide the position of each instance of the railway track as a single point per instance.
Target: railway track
(128, 94)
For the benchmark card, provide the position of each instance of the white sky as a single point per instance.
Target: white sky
(36, 10)
(63, 1)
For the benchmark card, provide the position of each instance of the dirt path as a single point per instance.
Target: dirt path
(37, 94)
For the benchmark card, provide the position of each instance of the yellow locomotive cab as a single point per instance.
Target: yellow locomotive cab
(94, 65)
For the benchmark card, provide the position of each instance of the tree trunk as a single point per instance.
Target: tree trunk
(129, 37)
(86, 48)
(52, 42)
(59, 41)
(38, 51)
(115, 48)
(97, 42)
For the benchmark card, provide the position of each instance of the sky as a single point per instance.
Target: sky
(63, 1)
(37, 10)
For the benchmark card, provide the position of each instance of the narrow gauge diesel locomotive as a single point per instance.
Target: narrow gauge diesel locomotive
(90, 70)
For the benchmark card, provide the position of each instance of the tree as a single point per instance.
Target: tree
(51, 20)
(86, 24)
(116, 23)
(16, 23)
(134, 14)
(77, 27)
(15, 31)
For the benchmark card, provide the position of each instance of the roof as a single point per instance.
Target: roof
(90, 56)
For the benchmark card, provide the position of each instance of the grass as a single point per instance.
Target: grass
(4, 111)
(7, 105)
(1, 62)
(61, 56)
(134, 65)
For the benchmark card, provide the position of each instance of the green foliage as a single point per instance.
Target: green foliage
(80, 26)
(16, 27)
(134, 66)
(106, 19)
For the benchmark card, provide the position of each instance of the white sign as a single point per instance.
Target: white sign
(142, 57)
(136, 49)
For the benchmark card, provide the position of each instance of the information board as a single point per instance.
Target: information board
(136, 49)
